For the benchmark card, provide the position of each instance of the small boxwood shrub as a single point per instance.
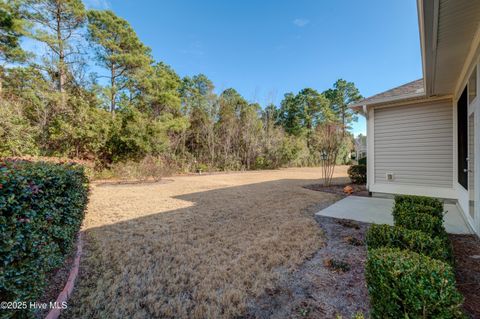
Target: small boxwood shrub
(413, 219)
(379, 236)
(416, 209)
(42, 206)
(419, 213)
(363, 161)
(358, 174)
(407, 200)
(404, 284)
(419, 217)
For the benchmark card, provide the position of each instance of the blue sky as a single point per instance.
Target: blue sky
(266, 48)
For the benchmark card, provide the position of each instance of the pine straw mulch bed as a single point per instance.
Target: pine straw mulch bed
(56, 281)
(467, 267)
(358, 190)
(331, 283)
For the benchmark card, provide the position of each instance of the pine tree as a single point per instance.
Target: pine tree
(199, 104)
(158, 89)
(11, 30)
(342, 94)
(118, 49)
(56, 23)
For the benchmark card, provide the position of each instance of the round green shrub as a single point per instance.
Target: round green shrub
(417, 217)
(435, 206)
(404, 284)
(379, 236)
(358, 174)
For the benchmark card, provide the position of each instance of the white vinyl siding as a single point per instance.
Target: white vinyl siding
(415, 143)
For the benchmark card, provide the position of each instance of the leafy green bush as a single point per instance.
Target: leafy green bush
(41, 209)
(435, 204)
(417, 216)
(404, 284)
(379, 236)
(415, 210)
(17, 136)
(261, 163)
(362, 161)
(416, 220)
(358, 174)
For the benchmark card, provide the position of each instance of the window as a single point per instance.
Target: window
(462, 139)
(472, 86)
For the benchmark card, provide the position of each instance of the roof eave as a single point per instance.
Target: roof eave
(401, 98)
(421, 30)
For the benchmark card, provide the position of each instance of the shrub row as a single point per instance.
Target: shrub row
(409, 266)
(405, 284)
(388, 236)
(424, 201)
(42, 206)
(415, 218)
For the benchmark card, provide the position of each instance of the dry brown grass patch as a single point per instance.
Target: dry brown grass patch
(199, 247)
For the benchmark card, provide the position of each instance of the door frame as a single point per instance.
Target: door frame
(462, 193)
(473, 109)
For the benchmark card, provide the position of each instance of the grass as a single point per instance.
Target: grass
(337, 265)
(197, 247)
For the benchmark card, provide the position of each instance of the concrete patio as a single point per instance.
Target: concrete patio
(379, 211)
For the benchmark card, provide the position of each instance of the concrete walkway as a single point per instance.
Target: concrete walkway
(379, 211)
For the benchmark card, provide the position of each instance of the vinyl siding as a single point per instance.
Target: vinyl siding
(415, 143)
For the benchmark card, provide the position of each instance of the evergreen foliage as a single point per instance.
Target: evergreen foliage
(132, 107)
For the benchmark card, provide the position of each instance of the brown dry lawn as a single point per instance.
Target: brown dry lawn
(198, 246)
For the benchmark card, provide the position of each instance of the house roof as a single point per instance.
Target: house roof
(409, 90)
(450, 40)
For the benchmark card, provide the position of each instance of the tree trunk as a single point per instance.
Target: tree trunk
(61, 58)
(112, 93)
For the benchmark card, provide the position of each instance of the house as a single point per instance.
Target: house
(423, 138)
(360, 147)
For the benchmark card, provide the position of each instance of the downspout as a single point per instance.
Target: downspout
(365, 112)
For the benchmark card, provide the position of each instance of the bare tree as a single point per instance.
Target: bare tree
(328, 140)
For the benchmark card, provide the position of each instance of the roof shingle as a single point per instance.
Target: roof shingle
(406, 90)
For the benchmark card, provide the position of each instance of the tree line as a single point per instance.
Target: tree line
(129, 107)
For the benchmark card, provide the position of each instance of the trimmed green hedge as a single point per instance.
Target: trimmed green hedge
(409, 266)
(435, 205)
(358, 174)
(419, 213)
(415, 220)
(42, 206)
(404, 284)
(379, 236)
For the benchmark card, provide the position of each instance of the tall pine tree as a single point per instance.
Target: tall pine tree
(342, 94)
(118, 49)
(56, 23)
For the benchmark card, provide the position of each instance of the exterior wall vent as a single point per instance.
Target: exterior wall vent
(389, 177)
